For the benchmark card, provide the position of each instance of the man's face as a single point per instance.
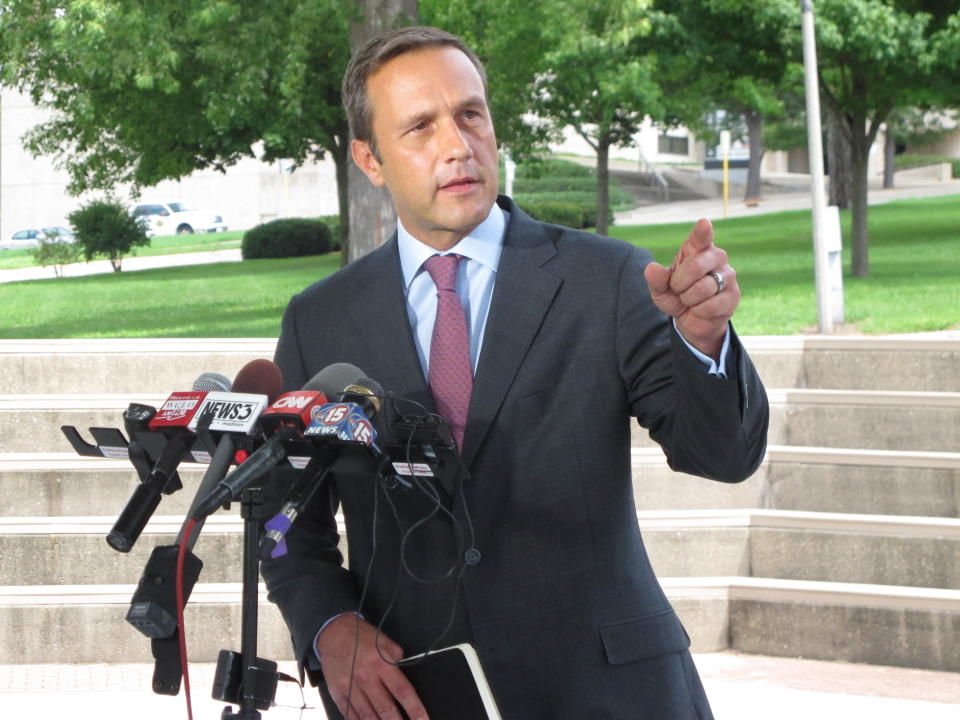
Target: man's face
(438, 152)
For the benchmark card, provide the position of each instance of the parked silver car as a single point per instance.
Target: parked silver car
(31, 237)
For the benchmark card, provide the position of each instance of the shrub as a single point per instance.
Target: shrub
(332, 222)
(910, 160)
(552, 167)
(56, 252)
(286, 237)
(586, 201)
(105, 228)
(559, 213)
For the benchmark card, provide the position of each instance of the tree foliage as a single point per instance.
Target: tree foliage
(872, 57)
(733, 56)
(598, 84)
(105, 228)
(512, 39)
(143, 91)
(56, 252)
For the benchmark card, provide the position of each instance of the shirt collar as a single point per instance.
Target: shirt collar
(482, 244)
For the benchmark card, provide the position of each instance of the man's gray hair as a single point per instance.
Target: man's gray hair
(374, 55)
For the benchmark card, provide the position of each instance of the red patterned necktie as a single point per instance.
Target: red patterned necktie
(450, 374)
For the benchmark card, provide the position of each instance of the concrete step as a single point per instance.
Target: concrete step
(909, 421)
(75, 551)
(894, 362)
(886, 550)
(877, 482)
(924, 362)
(64, 483)
(832, 547)
(865, 419)
(31, 423)
(909, 627)
(85, 624)
(877, 624)
(122, 365)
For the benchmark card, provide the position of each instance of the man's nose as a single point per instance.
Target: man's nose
(454, 143)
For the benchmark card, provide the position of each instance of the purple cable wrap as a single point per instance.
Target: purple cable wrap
(281, 523)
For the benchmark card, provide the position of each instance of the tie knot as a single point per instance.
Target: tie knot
(443, 270)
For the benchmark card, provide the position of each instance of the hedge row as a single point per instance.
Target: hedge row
(578, 210)
(909, 160)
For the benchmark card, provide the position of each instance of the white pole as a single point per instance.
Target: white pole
(815, 148)
(509, 173)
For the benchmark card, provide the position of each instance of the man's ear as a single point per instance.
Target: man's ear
(365, 159)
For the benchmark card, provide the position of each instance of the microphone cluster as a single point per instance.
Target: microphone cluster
(327, 425)
(251, 424)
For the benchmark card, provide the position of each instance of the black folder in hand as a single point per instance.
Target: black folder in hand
(451, 684)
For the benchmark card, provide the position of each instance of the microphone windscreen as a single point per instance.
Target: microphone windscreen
(260, 377)
(375, 388)
(334, 378)
(211, 382)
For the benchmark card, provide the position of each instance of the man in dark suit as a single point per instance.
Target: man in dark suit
(536, 557)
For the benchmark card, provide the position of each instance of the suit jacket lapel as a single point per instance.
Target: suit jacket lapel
(522, 295)
(379, 315)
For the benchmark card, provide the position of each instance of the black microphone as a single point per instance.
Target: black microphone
(334, 425)
(153, 606)
(235, 415)
(286, 418)
(173, 420)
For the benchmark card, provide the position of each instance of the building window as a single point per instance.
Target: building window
(673, 145)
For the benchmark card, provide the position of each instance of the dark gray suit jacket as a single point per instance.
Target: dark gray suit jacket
(563, 606)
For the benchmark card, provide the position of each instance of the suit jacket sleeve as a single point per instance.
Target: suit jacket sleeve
(308, 584)
(707, 425)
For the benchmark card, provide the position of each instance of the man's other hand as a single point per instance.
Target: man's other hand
(689, 291)
(378, 686)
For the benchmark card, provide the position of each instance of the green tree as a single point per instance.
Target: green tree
(872, 58)
(512, 39)
(597, 83)
(105, 228)
(729, 55)
(144, 91)
(56, 252)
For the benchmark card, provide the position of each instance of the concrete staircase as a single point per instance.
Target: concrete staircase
(844, 545)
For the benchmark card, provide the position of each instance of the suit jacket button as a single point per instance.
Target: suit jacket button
(472, 557)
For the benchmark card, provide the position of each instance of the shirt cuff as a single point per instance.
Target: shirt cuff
(323, 627)
(718, 368)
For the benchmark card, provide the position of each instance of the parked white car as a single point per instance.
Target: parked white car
(177, 218)
(31, 237)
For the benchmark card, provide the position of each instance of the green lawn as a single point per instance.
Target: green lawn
(914, 285)
(236, 299)
(914, 282)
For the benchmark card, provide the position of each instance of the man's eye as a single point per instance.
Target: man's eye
(422, 125)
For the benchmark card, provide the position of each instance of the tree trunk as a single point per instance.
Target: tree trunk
(371, 216)
(889, 157)
(603, 182)
(838, 161)
(754, 121)
(342, 162)
(860, 245)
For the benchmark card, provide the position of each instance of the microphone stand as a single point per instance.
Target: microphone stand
(257, 678)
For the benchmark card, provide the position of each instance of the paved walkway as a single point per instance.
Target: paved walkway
(740, 687)
(712, 208)
(130, 264)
